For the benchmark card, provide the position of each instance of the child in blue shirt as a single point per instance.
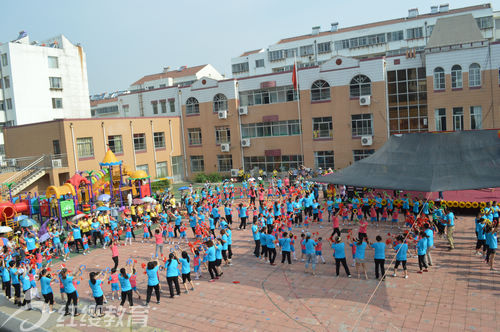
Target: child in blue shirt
(401, 256)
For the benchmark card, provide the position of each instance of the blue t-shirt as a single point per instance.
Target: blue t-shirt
(172, 268)
(310, 244)
(55, 237)
(430, 237)
(124, 282)
(68, 285)
(285, 244)
(480, 231)
(243, 212)
(45, 284)
(225, 243)
(270, 241)
(13, 276)
(178, 219)
(26, 282)
(5, 274)
(96, 288)
(422, 246)
(30, 243)
(450, 217)
(401, 254)
(211, 254)
(186, 266)
(263, 241)
(360, 250)
(339, 249)
(76, 233)
(218, 251)
(153, 276)
(379, 250)
(255, 232)
(192, 221)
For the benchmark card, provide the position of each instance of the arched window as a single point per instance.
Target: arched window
(439, 83)
(192, 106)
(474, 75)
(320, 90)
(360, 86)
(220, 103)
(456, 77)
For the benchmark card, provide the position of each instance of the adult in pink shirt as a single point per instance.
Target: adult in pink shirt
(114, 252)
(336, 227)
(159, 242)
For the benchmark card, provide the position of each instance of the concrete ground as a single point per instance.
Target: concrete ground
(458, 293)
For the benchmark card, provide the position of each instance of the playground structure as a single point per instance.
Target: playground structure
(81, 192)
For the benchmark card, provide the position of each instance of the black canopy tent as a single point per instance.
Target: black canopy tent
(428, 162)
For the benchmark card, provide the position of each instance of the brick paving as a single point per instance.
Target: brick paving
(458, 293)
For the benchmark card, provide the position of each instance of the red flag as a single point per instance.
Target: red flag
(294, 77)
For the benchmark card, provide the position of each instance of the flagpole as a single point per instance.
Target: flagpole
(298, 107)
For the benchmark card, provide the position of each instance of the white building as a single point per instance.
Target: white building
(384, 38)
(42, 81)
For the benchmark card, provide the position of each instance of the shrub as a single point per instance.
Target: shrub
(200, 178)
(160, 185)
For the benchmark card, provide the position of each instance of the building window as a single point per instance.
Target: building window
(172, 105)
(324, 47)
(197, 164)
(362, 124)
(53, 62)
(56, 146)
(161, 169)
(159, 139)
(439, 82)
(163, 105)
(57, 103)
(192, 106)
(139, 142)
(485, 22)
(474, 75)
(270, 129)
(222, 135)
(106, 110)
(322, 127)
(144, 167)
(456, 77)
(280, 94)
(360, 86)
(224, 163)
(414, 33)
(259, 63)
(220, 103)
(290, 53)
(8, 101)
(2, 105)
(306, 50)
(271, 163)
(362, 154)
(324, 159)
(85, 147)
(115, 143)
(155, 107)
(276, 55)
(194, 136)
(476, 117)
(55, 83)
(126, 109)
(5, 60)
(458, 118)
(6, 82)
(177, 166)
(320, 90)
(240, 67)
(440, 117)
(395, 36)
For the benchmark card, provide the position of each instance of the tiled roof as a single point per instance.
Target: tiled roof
(251, 52)
(102, 101)
(173, 74)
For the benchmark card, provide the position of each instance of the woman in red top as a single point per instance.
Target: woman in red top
(114, 253)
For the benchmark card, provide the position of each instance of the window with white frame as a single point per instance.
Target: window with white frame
(6, 82)
(485, 22)
(192, 106)
(163, 106)
(240, 67)
(222, 135)
(171, 103)
(362, 124)
(194, 136)
(360, 86)
(322, 127)
(259, 63)
(275, 95)
(143, 167)
(155, 107)
(53, 62)
(395, 36)
(115, 143)
(324, 47)
(5, 60)
(458, 118)
(197, 163)
(439, 82)
(224, 163)
(362, 154)
(324, 159)
(440, 118)
(55, 83)
(320, 90)
(290, 53)
(57, 103)
(85, 147)
(270, 129)
(159, 139)
(276, 55)
(474, 75)
(161, 169)
(220, 103)
(456, 77)
(414, 33)
(306, 50)
(476, 117)
(140, 142)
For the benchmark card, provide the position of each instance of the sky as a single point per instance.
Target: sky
(126, 39)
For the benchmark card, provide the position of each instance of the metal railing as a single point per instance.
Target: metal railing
(46, 161)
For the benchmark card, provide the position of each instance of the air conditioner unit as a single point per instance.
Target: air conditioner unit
(366, 140)
(56, 163)
(364, 100)
(235, 172)
(225, 147)
(12, 162)
(243, 110)
(222, 114)
(245, 142)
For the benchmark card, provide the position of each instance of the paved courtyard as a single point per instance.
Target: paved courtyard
(458, 293)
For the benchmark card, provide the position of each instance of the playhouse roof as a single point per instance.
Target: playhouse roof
(77, 179)
(110, 159)
(138, 175)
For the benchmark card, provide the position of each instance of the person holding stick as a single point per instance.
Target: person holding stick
(173, 274)
(153, 282)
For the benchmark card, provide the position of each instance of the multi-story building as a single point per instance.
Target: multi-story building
(42, 81)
